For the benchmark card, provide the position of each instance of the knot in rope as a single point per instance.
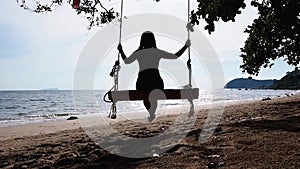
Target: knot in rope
(115, 68)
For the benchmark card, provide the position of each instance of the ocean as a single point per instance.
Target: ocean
(21, 107)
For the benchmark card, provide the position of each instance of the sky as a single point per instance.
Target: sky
(39, 51)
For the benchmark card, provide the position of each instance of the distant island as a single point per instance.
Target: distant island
(54, 88)
(290, 81)
(249, 83)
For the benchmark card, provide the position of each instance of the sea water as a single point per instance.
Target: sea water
(19, 107)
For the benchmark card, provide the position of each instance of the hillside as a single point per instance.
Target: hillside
(289, 81)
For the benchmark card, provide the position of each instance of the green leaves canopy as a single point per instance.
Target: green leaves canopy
(274, 34)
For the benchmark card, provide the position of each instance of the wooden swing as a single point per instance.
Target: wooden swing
(132, 95)
(114, 95)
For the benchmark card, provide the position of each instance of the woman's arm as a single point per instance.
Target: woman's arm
(127, 60)
(182, 50)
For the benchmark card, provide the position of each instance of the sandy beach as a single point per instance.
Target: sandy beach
(256, 134)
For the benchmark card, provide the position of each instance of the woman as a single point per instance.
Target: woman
(148, 57)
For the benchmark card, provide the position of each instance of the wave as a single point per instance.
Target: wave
(36, 105)
(37, 100)
(11, 107)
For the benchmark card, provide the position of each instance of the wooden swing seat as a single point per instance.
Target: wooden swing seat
(131, 95)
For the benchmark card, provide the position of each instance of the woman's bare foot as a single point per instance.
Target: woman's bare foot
(151, 117)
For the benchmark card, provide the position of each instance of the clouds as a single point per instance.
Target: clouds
(41, 50)
(9, 40)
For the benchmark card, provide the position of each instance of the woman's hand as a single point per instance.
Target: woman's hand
(180, 52)
(188, 43)
(120, 48)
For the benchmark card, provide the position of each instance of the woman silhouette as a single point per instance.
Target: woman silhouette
(148, 57)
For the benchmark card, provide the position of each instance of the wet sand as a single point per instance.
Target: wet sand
(256, 134)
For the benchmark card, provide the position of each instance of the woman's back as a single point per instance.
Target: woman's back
(149, 58)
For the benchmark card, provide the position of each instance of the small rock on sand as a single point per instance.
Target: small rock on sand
(266, 99)
(72, 118)
(218, 129)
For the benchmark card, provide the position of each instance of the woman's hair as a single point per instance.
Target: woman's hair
(147, 41)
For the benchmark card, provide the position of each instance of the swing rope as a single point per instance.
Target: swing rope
(189, 64)
(115, 71)
(121, 24)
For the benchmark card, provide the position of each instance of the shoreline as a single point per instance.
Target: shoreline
(16, 122)
(56, 125)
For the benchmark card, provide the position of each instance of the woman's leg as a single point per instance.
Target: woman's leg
(149, 80)
(151, 107)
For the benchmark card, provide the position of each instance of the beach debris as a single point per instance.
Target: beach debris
(155, 155)
(221, 164)
(215, 165)
(212, 165)
(214, 156)
(72, 118)
(266, 99)
(255, 118)
(24, 166)
(162, 128)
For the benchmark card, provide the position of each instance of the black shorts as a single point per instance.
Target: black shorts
(148, 80)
